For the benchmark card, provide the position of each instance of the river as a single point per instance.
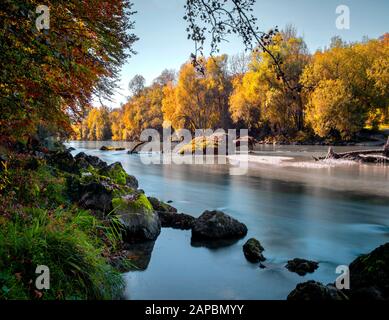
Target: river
(297, 208)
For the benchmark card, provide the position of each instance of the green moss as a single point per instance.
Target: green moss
(132, 204)
(116, 173)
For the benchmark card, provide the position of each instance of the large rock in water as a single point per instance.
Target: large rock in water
(169, 217)
(213, 225)
(316, 291)
(302, 266)
(137, 216)
(252, 250)
(369, 275)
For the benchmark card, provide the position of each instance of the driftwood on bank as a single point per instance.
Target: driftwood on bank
(136, 147)
(372, 156)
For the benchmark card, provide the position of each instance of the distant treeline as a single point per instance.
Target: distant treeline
(334, 93)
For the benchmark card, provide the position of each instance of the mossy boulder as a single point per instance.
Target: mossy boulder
(213, 225)
(369, 275)
(83, 161)
(118, 175)
(316, 291)
(63, 160)
(252, 250)
(137, 216)
(160, 206)
(96, 196)
(302, 266)
(200, 145)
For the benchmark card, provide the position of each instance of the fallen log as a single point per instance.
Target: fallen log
(371, 156)
(374, 159)
(134, 149)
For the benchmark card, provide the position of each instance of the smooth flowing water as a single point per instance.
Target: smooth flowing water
(297, 208)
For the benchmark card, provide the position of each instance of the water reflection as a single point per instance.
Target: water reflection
(139, 255)
(213, 244)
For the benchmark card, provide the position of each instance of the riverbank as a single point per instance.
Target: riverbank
(64, 212)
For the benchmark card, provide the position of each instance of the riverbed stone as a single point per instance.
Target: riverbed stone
(252, 250)
(302, 266)
(216, 224)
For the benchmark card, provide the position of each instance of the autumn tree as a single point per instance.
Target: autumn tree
(359, 71)
(51, 76)
(262, 96)
(200, 99)
(97, 125)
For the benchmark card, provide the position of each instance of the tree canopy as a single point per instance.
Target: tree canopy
(51, 76)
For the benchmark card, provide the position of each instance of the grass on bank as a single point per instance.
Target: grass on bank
(40, 226)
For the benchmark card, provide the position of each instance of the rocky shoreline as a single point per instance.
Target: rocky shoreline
(112, 194)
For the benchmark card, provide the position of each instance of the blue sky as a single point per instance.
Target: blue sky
(163, 42)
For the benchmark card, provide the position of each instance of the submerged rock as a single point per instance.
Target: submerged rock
(302, 266)
(369, 275)
(213, 225)
(137, 216)
(252, 250)
(316, 291)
